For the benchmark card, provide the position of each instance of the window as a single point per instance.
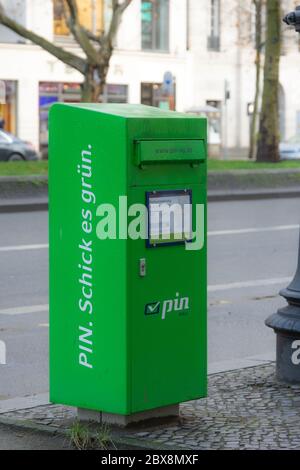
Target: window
(213, 43)
(155, 25)
(8, 108)
(152, 94)
(53, 92)
(115, 93)
(90, 16)
(214, 121)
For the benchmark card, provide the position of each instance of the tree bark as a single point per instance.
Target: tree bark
(92, 87)
(258, 47)
(268, 139)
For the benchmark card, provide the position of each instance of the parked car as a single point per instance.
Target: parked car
(290, 150)
(13, 149)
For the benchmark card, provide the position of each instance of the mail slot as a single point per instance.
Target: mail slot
(165, 151)
(127, 287)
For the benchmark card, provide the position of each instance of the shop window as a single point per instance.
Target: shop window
(155, 25)
(213, 114)
(90, 16)
(115, 94)
(153, 94)
(8, 107)
(53, 92)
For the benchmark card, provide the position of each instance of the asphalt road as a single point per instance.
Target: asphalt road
(252, 253)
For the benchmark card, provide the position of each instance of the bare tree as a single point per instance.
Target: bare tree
(268, 138)
(97, 49)
(258, 5)
(252, 35)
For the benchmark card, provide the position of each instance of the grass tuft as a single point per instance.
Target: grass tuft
(86, 437)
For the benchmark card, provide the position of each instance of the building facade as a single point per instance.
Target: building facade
(203, 49)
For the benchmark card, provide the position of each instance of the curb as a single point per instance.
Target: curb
(24, 179)
(248, 195)
(41, 204)
(116, 438)
(23, 205)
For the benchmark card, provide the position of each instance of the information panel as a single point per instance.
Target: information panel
(169, 217)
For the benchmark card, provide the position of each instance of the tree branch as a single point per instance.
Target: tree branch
(124, 5)
(80, 34)
(118, 10)
(73, 9)
(67, 57)
(93, 37)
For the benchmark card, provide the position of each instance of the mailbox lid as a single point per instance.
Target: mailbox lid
(180, 166)
(165, 151)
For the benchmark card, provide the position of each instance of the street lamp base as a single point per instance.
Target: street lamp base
(286, 325)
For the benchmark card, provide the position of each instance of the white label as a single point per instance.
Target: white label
(170, 217)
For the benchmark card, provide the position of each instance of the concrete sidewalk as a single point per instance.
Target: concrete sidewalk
(246, 409)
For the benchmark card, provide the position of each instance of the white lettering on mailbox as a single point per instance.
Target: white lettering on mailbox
(85, 265)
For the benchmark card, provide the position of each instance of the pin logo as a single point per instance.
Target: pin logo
(179, 304)
(152, 309)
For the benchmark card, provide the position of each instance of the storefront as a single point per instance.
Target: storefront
(8, 108)
(53, 92)
(153, 94)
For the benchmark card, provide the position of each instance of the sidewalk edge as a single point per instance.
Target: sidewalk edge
(117, 439)
(18, 206)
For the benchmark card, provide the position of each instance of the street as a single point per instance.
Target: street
(252, 254)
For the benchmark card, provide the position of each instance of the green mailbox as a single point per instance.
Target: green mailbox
(127, 301)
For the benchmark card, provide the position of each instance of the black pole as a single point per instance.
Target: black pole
(286, 324)
(286, 321)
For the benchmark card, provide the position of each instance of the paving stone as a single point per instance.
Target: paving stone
(246, 409)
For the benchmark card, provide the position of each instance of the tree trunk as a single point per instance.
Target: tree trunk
(268, 139)
(93, 85)
(258, 45)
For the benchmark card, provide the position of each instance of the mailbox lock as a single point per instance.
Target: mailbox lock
(142, 267)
